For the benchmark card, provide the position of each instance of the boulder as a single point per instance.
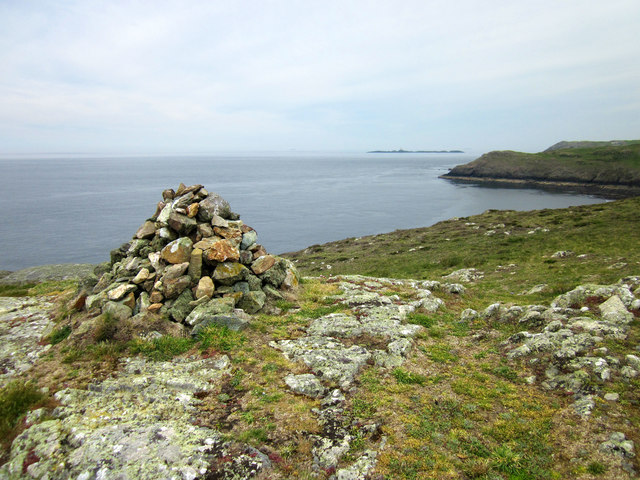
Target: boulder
(178, 251)
(263, 264)
(216, 306)
(252, 301)
(214, 204)
(147, 230)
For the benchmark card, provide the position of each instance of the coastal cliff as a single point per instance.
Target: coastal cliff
(610, 169)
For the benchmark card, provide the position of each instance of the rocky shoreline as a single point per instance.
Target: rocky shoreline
(608, 191)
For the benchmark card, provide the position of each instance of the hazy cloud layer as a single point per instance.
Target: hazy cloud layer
(165, 76)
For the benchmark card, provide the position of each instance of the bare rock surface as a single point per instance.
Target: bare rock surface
(23, 324)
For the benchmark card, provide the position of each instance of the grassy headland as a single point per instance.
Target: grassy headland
(611, 170)
(505, 244)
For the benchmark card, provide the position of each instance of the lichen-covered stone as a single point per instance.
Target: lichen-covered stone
(213, 307)
(229, 273)
(178, 251)
(252, 301)
(147, 230)
(205, 287)
(305, 384)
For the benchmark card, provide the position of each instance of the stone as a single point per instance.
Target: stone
(204, 230)
(147, 230)
(205, 288)
(246, 257)
(163, 218)
(117, 310)
(221, 251)
(142, 303)
(154, 307)
(233, 234)
(633, 361)
(614, 311)
(229, 273)
(195, 264)
(181, 307)
(119, 292)
(611, 397)
(181, 223)
(253, 301)
(276, 274)
(192, 210)
(291, 278)
(213, 307)
(178, 251)
(168, 194)
(212, 205)
(263, 264)
(155, 296)
(183, 200)
(258, 251)
(619, 445)
(305, 384)
(468, 315)
(174, 287)
(174, 271)
(166, 234)
(217, 221)
(142, 276)
(230, 321)
(248, 239)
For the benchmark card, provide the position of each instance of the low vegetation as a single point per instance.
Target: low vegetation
(455, 409)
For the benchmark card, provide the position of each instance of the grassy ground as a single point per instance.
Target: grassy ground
(517, 246)
(457, 408)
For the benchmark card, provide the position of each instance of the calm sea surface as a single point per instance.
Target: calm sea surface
(75, 209)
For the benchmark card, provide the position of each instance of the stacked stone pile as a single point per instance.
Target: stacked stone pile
(194, 261)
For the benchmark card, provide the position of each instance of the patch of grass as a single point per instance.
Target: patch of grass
(596, 468)
(16, 398)
(59, 334)
(408, 378)
(162, 348)
(15, 290)
(53, 287)
(220, 339)
(105, 329)
(440, 353)
(426, 321)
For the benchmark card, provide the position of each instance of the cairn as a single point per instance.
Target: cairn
(193, 261)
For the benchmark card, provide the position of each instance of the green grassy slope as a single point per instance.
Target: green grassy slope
(603, 237)
(604, 165)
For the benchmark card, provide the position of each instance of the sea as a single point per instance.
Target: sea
(75, 208)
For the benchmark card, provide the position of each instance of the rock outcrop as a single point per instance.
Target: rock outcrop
(193, 261)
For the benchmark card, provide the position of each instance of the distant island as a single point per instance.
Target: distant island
(415, 151)
(610, 169)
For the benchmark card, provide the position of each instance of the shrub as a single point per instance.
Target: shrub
(15, 400)
(59, 334)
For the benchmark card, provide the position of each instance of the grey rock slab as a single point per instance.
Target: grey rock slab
(305, 384)
(328, 358)
(614, 311)
(213, 307)
(23, 323)
(45, 273)
(139, 426)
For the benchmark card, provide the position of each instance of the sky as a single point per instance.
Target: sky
(211, 76)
